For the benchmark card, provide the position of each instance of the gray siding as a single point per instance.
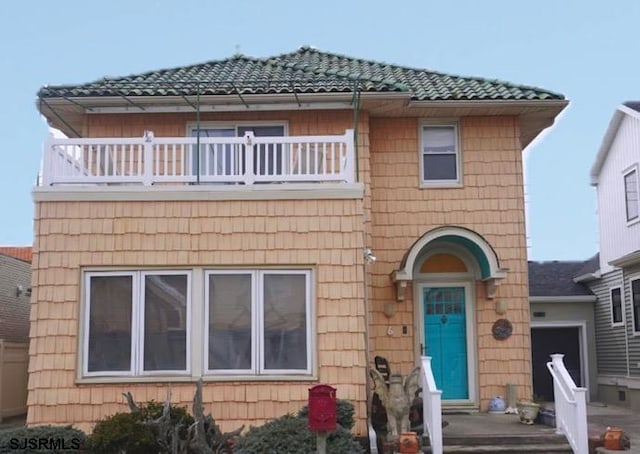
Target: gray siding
(14, 309)
(634, 340)
(610, 342)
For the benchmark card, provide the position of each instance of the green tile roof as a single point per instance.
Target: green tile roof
(306, 70)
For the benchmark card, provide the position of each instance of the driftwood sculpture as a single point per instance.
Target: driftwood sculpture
(397, 399)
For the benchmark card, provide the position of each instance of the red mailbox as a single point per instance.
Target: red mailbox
(322, 408)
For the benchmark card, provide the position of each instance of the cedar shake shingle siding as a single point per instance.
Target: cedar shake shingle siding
(323, 235)
(387, 210)
(490, 203)
(14, 308)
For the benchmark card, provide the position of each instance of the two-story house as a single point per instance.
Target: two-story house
(267, 224)
(616, 281)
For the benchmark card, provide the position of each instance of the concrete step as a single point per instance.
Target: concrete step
(522, 449)
(512, 443)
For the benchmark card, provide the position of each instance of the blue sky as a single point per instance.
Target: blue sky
(585, 49)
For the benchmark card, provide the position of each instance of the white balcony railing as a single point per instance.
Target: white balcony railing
(570, 406)
(188, 160)
(431, 406)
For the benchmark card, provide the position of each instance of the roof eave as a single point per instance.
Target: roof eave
(630, 259)
(607, 140)
(587, 277)
(563, 299)
(490, 102)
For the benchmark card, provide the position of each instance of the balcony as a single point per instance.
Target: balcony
(210, 164)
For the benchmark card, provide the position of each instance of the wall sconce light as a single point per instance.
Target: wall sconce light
(389, 309)
(368, 256)
(501, 307)
(22, 290)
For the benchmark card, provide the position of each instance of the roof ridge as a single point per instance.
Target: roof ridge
(344, 74)
(107, 79)
(421, 70)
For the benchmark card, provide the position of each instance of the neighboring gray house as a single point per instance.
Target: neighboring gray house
(615, 279)
(15, 292)
(562, 321)
(15, 296)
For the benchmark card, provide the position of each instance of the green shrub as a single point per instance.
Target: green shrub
(42, 440)
(132, 433)
(344, 413)
(290, 435)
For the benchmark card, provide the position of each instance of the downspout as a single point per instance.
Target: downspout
(198, 133)
(373, 446)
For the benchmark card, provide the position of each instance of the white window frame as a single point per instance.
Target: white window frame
(625, 174)
(448, 183)
(141, 326)
(136, 368)
(615, 324)
(87, 314)
(254, 322)
(257, 323)
(632, 279)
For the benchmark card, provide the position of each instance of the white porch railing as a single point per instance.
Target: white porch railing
(431, 406)
(570, 406)
(188, 160)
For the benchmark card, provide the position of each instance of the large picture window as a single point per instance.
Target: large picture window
(258, 321)
(440, 155)
(136, 323)
(247, 322)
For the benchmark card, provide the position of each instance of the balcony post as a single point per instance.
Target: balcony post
(47, 162)
(349, 165)
(147, 178)
(249, 174)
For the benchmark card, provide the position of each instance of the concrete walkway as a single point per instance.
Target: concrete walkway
(601, 416)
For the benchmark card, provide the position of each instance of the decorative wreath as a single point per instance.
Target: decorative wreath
(502, 329)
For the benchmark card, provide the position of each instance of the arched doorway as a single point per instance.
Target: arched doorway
(444, 267)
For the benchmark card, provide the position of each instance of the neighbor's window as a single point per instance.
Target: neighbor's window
(631, 194)
(635, 299)
(258, 322)
(136, 323)
(440, 155)
(616, 306)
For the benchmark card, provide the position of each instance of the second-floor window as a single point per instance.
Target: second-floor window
(616, 306)
(225, 159)
(631, 195)
(440, 155)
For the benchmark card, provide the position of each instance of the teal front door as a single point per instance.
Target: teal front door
(445, 333)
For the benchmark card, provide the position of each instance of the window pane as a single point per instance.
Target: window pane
(110, 323)
(631, 194)
(438, 139)
(229, 321)
(165, 322)
(439, 167)
(635, 298)
(216, 159)
(285, 324)
(267, 158)
(616, 305)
